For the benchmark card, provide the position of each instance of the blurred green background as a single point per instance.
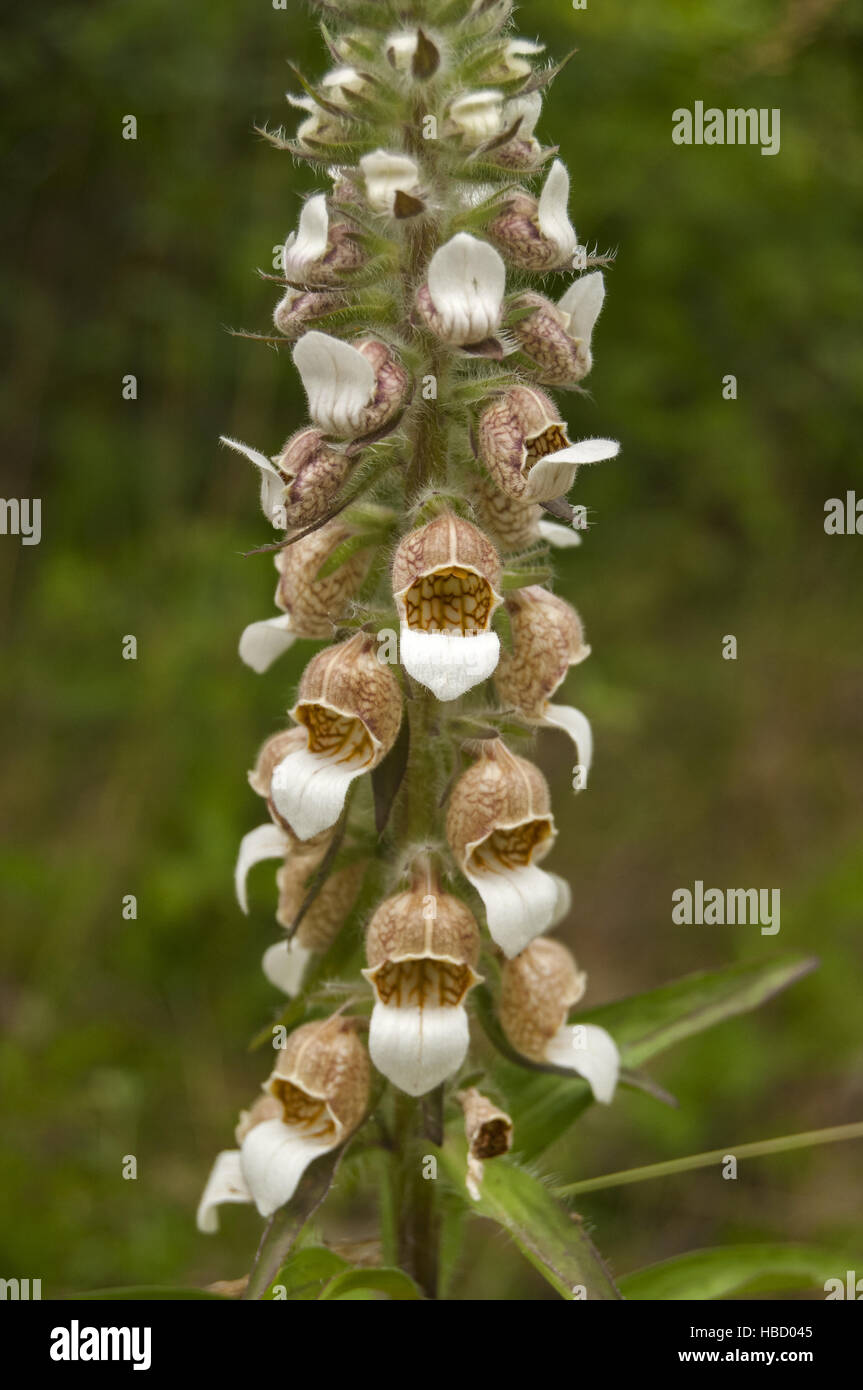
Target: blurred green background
(118, 777)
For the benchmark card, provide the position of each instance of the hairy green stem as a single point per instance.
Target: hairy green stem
(760, 1149)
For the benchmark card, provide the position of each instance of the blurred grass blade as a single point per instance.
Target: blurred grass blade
(145, 1293)
(546, 1233)
(709, 1274)
(760, 1149)
(544, 1106)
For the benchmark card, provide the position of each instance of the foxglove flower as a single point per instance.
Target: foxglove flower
(299, 485)
(422, 947)
(462, 299)
(538, 989)
(488, 1131)
(386, 174)
(284, 963)
(557, 337)
(349, 707)
(314, 1100)
(352, 389)
(524, 445)
(538, 235)
(310, 606)
(499, 826)
(320, 251)
(548, 639)
(515, 524)
(445, 582)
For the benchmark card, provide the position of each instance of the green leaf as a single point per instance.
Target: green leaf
(308, 1272)
(146, 1293)
(543, 1107)
(548, 1235)
(393, 1282)
(709, 1274)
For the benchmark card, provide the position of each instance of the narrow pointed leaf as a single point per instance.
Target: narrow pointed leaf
(711, 1274)
(549, 1236)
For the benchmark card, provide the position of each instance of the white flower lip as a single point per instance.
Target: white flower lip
(577, 725)
(309, 243)
(590, 1051)
(478, 115)
(338, 380)
(385, 175)
(529, 108)
(226, 1183)
(554, 474)
(558, 536)
(553, 214)
(274, 1156)
(284, 964)
(582, 303)
(264, 642)
(449, 663)
(264, 842)
(272, 482)
(309, 788)
(466, 283)
(418, 1047)
(520, 903)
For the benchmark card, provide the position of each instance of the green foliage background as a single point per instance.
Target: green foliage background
(129, 777)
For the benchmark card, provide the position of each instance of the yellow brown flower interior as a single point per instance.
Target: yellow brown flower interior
(451, 599)
(337, 736)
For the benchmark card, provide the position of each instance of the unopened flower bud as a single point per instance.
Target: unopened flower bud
(414, 52)
(538, 989)
(297, 309)
(499, 826)
(315, 1098)
(386, 175)
(352, 390)
(422, 947)
(462, 298)
(524, 445)
(445, 578)
(350, 708)
(557, 337)
(478, 116)
(538, 235)
(548, 638)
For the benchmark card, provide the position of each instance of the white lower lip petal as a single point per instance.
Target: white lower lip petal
(449, 663)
